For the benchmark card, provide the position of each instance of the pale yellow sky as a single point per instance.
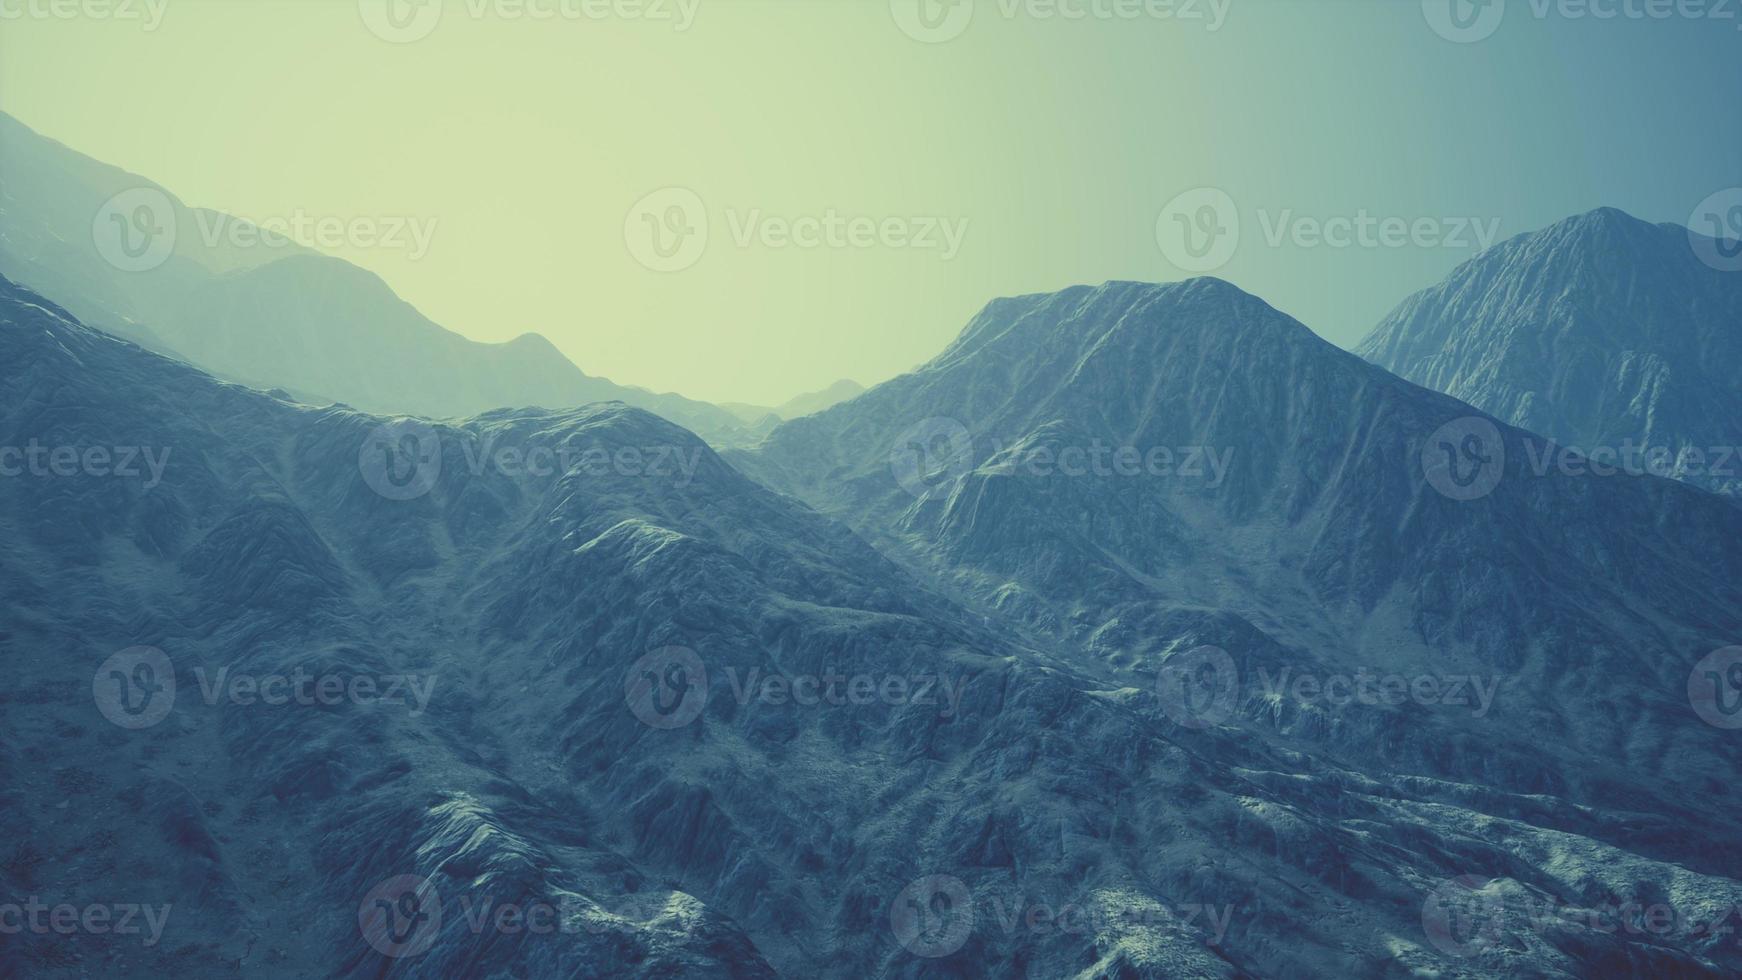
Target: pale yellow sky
(864, 193)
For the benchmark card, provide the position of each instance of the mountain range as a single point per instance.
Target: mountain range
(1128, 539)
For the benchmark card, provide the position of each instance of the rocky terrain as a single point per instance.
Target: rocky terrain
(1608, 335)
(566, 693)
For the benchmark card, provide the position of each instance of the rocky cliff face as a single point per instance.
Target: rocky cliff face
(566, 693)
(1601, 332)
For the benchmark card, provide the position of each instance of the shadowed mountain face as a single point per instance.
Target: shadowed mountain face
(266, 312)
(1602, 333)
(1135, 470)
(565, 694)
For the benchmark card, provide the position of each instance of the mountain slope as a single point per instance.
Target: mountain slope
(1599, 332)
(577, 742)
(1320, 545)
(271, 316)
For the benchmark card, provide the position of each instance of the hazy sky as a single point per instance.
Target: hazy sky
(1011, 150)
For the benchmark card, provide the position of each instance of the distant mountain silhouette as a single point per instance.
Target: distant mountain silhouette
(272, 317)
(798, 406)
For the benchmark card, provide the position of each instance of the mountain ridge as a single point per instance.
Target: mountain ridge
(1600, 331)
(312, 324)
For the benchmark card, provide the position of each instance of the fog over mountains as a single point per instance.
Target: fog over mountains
(1141, 633)
(262, 310)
